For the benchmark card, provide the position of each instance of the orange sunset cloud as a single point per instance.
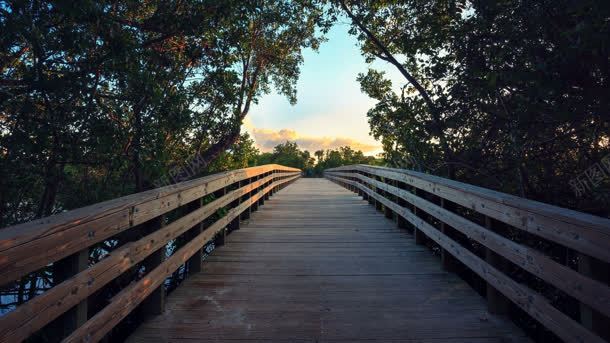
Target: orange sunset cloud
(266, 139)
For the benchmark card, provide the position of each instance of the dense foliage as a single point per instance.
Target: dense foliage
(340, 157)
(511, 95)
(100, 99)
(289, 154)
(104, 98)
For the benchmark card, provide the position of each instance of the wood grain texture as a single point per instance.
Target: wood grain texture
(528, 300)
(582, 232)
(317, 264)
(130, 297)
(61, 235)
(34, 314)
(587, 290)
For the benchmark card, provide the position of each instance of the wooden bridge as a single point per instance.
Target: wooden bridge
(432, 260)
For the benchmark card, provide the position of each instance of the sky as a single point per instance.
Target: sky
(331, 109)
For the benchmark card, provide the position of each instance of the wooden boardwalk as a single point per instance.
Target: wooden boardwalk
(316, 263)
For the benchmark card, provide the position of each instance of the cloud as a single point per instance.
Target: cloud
(267, 139)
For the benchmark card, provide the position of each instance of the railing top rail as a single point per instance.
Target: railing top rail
(70, 231)
(104, 207)
(583, 232)
(65, 241)
(491, 251)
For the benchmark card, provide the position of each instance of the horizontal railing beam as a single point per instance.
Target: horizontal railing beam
(129, 298)
(33, 315)
(586, 290)
(589, 291)
(582, 232)
(58, 236)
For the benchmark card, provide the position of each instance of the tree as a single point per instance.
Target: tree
(288, 154)
(370, 21)
(319, 155)
(110, 97)
(276, 34)
(345, 155)
(100, 99)
(518, 88)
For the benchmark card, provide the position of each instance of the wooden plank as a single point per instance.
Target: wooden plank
(61, 235)
(316, 263)
(531, 302)
(579, 231)
(155, 302)
(194, 264)
(587, 290)
(128, 299)
(34, 314)
(77, 315)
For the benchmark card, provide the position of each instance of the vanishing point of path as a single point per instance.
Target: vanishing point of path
(316, 263)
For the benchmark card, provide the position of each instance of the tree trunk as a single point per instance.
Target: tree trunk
(53, 175)
(225, 142)
(437, 124)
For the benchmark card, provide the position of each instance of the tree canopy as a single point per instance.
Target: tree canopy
(103, 98)
(99, 99)
(506, 94)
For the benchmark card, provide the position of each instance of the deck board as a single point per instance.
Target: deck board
(316, 263)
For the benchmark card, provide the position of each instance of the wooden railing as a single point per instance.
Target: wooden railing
(143, 222)
(494, 234)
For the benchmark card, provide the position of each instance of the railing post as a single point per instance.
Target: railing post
(154, 304)
(63, 270)
(378, 204)
(222, 234)
(261, 200)
(193, 265)
(401, 222)
(272, 190)
(268, 194)
(246, 213)
(254, 205)
(235, 223)
(278, 176)
(363, 194)
(447, 260)
(360, 191)
(420, 237)
(370, 199)
(386, 210)
(221, 237)
(590, 318)
(497, 303)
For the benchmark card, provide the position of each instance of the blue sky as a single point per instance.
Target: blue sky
(331, 109)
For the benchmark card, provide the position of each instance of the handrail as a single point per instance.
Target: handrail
(408, 194)
(67, 237)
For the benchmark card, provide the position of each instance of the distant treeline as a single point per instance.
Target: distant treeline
(289, 154)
